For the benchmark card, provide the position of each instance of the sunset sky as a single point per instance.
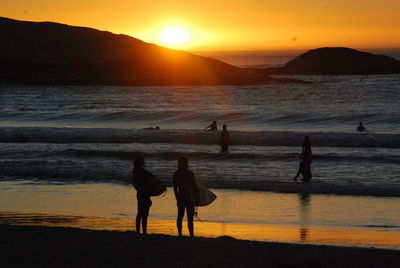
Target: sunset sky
(229, 24)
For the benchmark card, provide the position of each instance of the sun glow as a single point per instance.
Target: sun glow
(174, 36)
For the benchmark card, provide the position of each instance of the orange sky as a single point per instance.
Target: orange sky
(230, 24)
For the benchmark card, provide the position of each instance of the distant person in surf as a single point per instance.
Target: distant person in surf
(361, 128)
(224, 139)
(305, 161)
(186, 194)
(212, 127)
(140, 180)
(152, 128)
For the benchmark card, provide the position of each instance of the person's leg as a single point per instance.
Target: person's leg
(190, 213)
(138, 219)
(307, 172)
(144, 218)
(224, 147)
(181, 213)
(138, 216)
(298, 172)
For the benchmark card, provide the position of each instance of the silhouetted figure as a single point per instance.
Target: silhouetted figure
(212, 127)
(224, 139)
(186, 193)
(305, 161)
(361, 128)
(140, 180)
(152, 128)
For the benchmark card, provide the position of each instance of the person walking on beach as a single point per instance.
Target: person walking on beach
(305, 161)
(361, 128)
(140, 180)
(212, 127)
(224, 139)
(186, 194)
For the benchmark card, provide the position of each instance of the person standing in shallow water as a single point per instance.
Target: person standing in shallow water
(361, 128)
(141, 180)
(305, 161)
(186, 194)
(212, 127)
(224, 139)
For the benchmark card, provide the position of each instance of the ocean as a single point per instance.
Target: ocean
(74, 135)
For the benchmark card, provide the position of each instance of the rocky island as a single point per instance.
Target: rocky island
(336, 61)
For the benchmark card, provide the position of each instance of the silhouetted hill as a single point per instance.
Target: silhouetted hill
(338, 61)
(53, 53)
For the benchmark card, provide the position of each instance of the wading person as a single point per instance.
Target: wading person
(141, 179)
(224, 139)
(361, 128)
(305, 161)
(186, 193)
(212, 127)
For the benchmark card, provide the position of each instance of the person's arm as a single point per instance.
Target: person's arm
(194, 188)
(134, 180)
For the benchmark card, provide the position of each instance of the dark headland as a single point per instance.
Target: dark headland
(53, 53)
(337, 61)
(29, 246)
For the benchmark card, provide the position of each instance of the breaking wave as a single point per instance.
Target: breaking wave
(260, 138)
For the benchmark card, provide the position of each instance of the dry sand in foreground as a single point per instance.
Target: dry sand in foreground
(29, 246)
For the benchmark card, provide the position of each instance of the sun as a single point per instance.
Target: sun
(174, 36)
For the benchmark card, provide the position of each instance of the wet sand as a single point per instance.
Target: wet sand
(256, 232)
(261, 216)
(68, 247)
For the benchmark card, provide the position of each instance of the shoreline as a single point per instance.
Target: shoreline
(293, 218)
(62, 247)
(270, 233)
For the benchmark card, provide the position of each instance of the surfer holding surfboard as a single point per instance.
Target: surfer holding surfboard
(189, 194)
(142, 180)
(186, 193)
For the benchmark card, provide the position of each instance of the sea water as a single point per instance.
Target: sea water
(79, 133)
(90, 134)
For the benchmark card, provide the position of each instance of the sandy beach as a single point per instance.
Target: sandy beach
(68, 247)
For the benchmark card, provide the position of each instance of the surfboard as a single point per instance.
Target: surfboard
(206, 197)
(155, 187)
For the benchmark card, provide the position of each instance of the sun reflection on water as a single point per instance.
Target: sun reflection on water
(297, 218)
